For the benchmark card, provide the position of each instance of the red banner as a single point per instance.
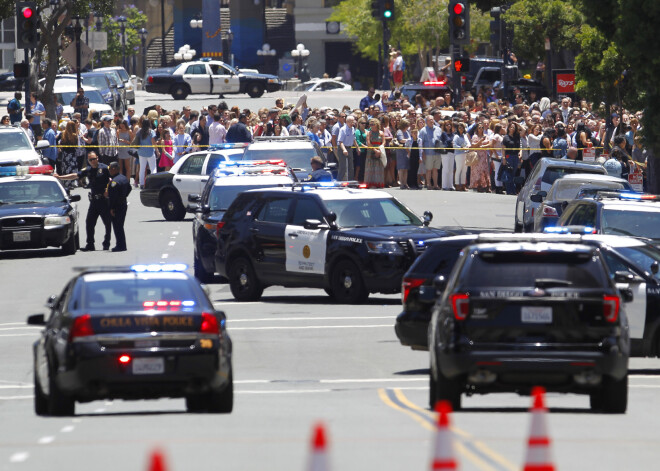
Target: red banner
(565, 83)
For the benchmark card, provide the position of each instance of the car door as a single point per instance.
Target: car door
(224, 80)
(267, 231)
(305, 248)
(213, 162)
(190, 179)
(198, 78)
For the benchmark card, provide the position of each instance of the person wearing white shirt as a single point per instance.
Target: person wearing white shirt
(182, 143)
(217, 131)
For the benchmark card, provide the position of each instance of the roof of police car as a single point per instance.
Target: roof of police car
(536, 247)
(330, 193)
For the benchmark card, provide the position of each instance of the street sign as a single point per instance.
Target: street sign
(636, 180)
(69, 54)
(588, 154)
(99, 40)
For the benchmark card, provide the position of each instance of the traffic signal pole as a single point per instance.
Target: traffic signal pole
(27, 81)
(386, 57)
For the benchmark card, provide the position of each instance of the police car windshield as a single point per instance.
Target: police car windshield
(17, 192)
(643, 256)
(528, 269)
(294, 158)
(136, 292)
(372, 212)
(223, 196)
(13, 141)
(633, 223)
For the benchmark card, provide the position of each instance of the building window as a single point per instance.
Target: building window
(8, 29)
(330, 3)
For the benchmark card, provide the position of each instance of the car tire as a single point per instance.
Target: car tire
(40, 399)
(180, 92)
(614, 395)
(196, 403)
(70, 246)
(223, 402)
(59, 404)
(346, 283)
(448, 389)
(172, 207)
(255, 89)
(243, 281)
(200, 272)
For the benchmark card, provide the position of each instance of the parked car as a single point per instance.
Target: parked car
(129, 86)
(323, 85)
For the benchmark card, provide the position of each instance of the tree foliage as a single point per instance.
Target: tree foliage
(135, 19)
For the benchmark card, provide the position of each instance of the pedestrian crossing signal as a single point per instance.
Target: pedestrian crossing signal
(462, 65)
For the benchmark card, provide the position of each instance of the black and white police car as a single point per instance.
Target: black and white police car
(219, 193)
(169, 190)
(348, 241)
(516, 315)
(140, 332)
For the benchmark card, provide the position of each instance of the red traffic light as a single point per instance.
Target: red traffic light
(458, 65)
(459, 8)
(27, 12)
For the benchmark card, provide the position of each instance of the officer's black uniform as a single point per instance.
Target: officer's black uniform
(320, 175)
(98, 206)
(118, 190)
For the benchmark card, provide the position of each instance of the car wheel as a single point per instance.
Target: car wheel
(200, 272)
(614, 395)
(243, 281)
(180, 92)
(255, 89)
(172, 207)
(448, 389)
(59, 404)
(346, 284)
(70, 246)
(223, 402)
(40, 399)
(196, 403)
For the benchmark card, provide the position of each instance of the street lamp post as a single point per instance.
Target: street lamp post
(122, 24)
(143, 36)
(98, 19)
(266, 52)
(184, 53)
(230, 39)
(77, 31)
(300, 52)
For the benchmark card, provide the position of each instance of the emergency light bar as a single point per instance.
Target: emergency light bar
(435, 83)
(162, 268)
(229, 145)
(22, 170)
(306, 186)
(569, 230)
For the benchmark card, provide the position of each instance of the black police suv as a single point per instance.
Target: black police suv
(140, 332)
(36, 212)
(516, 315)
(348, 241)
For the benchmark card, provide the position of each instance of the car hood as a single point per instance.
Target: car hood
(18, 156)
(396, 232)
(259, 76)
(33, 209)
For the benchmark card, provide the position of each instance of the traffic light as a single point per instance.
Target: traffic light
(459, 22)
(26, 25)
(462, 64)
(388, 10)
(375, 8)
(496, 29)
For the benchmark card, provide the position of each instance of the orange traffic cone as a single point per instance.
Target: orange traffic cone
(157, 461)
(443, 454)
(538, 446)
(318, 460)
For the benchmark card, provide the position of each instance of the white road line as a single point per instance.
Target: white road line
(46, 440)
(14, 398)
(286, 319)
(333, 381)
(67, 429)
(19, 457)
(287, 391)
(304, 327)
(644, 386)
(172, 242)
(164, 255)
(175, 233)
(12, 323)
(76, 421)
(634, 376)
(16, 386)
(19, 335)
(21, 328)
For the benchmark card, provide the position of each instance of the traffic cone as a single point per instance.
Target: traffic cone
(157, 461)
(318, 459)
(443, 453)
(538, 456)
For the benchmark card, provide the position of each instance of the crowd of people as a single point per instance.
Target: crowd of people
(481, 142)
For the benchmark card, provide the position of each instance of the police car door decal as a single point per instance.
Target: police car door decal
(305, 249)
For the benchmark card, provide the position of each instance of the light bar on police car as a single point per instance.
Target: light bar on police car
(159, 268)
(21, 170)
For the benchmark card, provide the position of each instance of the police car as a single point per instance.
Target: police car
(348, 241)
(169, 190)
(220, 191)
(516, 315)
(140, 332)
(16, 148)
(36, 211)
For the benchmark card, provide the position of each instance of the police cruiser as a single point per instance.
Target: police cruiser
(347, 240)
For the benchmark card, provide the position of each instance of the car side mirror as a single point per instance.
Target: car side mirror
(74, 198)
(192, 208)
(428, 217)
(331, 219)
(626, 295)
(194, 198)
(537, 197)
(439, 283)
(623, 276)
(312, 224)
(42, 144)
(655, 266)
(36, 319)
(51, 301)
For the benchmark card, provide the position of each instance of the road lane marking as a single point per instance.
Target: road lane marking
(175, 233)
(46, 440)
(16, 386)
(21, 328)
(303, 327)
(329, 381)
(287, 319)
(285, 391)
(164, 255)
(13, 398)
(67, 429)
(172, 242)
(19, 457)
(19, 335)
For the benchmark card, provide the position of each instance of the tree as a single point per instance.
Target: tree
(135, 19)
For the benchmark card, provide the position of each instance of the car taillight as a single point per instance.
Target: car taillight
(460, 303)
(150, 79)
(219, 227)
(549, 211)
(209, 324)
(537, 185)
(407, 284)
(82, 327)
(124, 359)
(611, 308)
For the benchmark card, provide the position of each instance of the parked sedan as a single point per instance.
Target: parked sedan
(323, 85)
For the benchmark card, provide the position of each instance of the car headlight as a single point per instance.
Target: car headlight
(274, 80)
(57, 220)
(384, 247)
(31, 162)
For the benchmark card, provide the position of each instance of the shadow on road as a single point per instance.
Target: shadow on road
(33, 253)
(163, 220)
(423, 372)
(518, 410)
(644, 371)
(321, 299)
(133, 413)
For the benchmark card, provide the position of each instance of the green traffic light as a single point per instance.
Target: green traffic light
(387, 13)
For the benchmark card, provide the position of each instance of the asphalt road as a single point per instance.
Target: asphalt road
(298, 359)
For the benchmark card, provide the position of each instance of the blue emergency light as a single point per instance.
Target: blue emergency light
(162, 268)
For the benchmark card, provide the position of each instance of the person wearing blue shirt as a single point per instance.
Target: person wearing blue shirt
(15, 109)
(368, 100)
(38, 111)
(49, 135)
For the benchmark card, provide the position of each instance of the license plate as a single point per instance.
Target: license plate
(536, 315)
(148, 366)
(147, 343)
(22, 236)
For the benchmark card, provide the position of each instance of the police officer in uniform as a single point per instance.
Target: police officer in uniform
(98, 176)
(319, 174)
(118, 190)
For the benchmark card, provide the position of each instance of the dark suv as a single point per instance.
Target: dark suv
(516, 315)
